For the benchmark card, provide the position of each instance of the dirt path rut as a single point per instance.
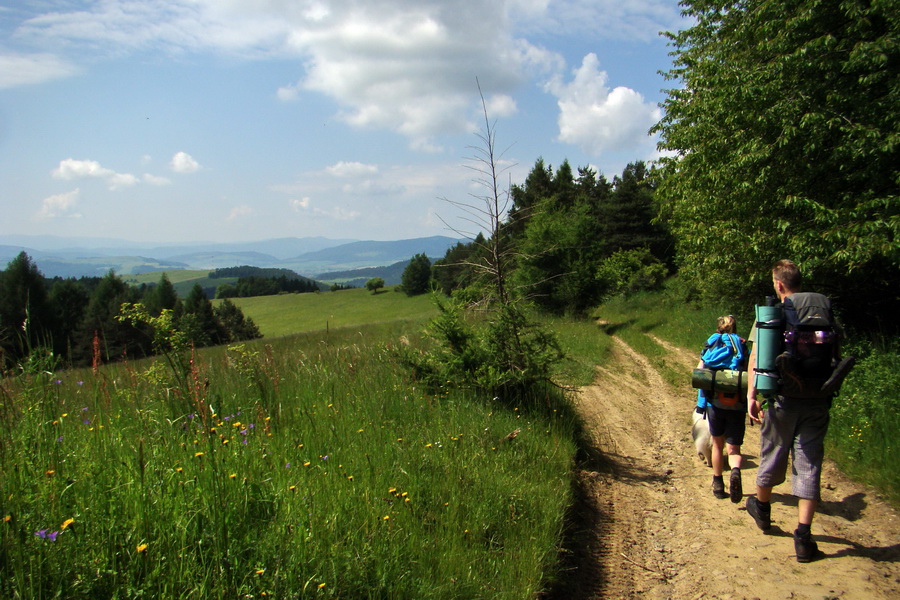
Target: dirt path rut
(650, 527)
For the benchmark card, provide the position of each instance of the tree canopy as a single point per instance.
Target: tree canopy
(785, 139)
(417, 275)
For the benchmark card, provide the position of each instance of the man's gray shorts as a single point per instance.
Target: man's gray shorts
(799, 434)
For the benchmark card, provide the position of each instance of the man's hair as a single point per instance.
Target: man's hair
(788, 273)
(726, 324)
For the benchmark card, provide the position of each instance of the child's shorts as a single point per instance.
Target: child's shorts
(730, 423)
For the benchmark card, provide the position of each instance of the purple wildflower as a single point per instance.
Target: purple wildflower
(59, 440)
(42, 533)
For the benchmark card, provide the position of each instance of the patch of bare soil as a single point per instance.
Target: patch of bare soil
(648, 526)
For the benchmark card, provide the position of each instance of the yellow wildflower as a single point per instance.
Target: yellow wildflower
(198, 454)
(66, 523)
(142, 547)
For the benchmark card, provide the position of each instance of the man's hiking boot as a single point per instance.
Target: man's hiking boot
(718, 488)
(804, 546)
(762, 516)
(735, 489)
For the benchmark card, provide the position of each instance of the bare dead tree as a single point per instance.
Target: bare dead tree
(489, 210)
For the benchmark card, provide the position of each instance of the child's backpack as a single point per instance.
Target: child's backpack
(809, 366)
(723, 351)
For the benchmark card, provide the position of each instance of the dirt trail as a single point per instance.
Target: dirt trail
(652, 529)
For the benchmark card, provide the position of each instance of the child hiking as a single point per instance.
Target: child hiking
(726, 412)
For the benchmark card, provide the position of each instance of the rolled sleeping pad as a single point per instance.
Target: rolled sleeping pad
(769, 339)
(720, 380)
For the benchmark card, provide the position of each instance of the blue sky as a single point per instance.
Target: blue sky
(217, 120)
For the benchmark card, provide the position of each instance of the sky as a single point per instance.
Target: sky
(176, 121)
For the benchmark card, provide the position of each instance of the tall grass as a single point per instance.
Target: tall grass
(865, 418)
(305, 468)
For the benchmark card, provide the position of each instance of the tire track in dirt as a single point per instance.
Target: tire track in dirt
(648, 526)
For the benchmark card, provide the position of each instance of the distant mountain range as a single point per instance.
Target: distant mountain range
(310, 256)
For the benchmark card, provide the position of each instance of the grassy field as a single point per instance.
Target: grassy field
(302, 466)
(174, 276)
(182, 281)
(287, 314)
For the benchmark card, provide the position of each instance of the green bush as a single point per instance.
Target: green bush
(502, 354)
(866, 419)
(630, 271)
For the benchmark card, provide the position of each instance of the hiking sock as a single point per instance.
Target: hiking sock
(803, 529)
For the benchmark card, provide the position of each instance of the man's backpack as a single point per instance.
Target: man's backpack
(810, 365)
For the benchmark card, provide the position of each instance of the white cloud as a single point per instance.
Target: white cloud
(239, 211)
(351, 169)
(155, 179)
(70, 169)
(299, 204)
(183, 162)
(60, 205)
(404, 65)
(288, 93)
(500, 105)
(597, 119)
(29, 69)
(338, 213)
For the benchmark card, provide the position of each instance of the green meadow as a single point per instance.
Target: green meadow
(304, 465)
(287, 314)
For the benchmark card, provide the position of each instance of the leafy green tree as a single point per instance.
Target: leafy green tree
(69, 300)
(161, 297)
(416, 278)
(375, 284)
(117, 338)
(199, 320)
(784, 127)
(629, 213)
(237, 327)
(629, 271)
(26, 316)
(462, 265)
